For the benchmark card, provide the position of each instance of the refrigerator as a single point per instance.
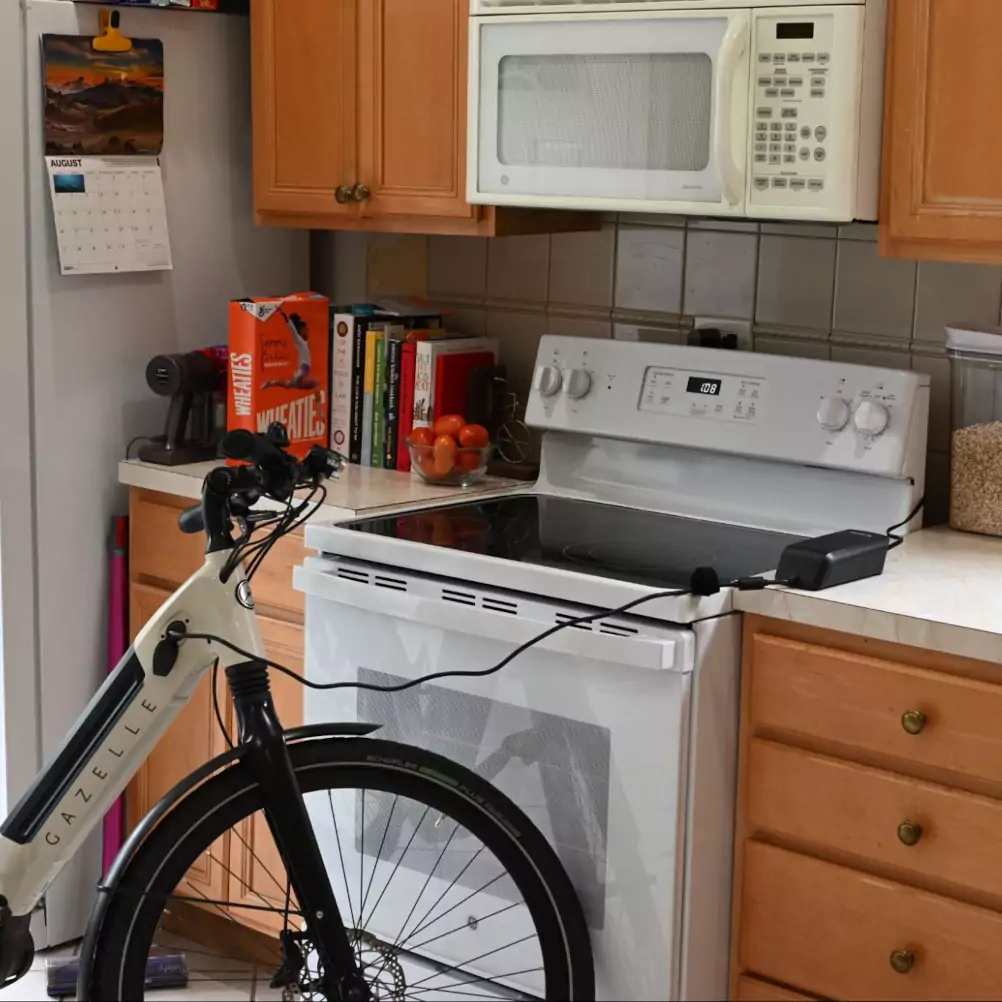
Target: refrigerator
(73, 353)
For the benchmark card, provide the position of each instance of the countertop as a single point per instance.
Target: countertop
(941, 590)
(360, 491)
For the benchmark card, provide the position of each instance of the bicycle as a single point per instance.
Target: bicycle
(340, 933)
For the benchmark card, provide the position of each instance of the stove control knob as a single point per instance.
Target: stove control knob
(548, 380)
(833, 414)
(871, 418)
(578, 384)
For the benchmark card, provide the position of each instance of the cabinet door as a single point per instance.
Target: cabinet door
(942, 187)
(412, 107)
(303, 54)
(191, 741)
(258, 875)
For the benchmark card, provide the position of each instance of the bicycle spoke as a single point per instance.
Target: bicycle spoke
(465, 925)
(361, 865)
(396, 942)
(247, 846)
(473, 960)
(438, 901)
(344, 871)
(379, 854)
(396, 866)
(472, 981)
(458, 904)
(269, 907)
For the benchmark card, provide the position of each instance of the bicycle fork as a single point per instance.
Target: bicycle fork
(285, 811)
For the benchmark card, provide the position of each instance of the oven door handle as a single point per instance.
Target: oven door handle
(732, 49)
(635, 652)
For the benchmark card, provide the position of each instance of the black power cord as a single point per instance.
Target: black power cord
(892, 535)
(705, 582)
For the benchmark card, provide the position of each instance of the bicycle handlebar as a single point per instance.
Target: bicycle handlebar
(270, 472)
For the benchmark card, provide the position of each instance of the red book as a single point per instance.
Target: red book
(408, 354)
(452, 379)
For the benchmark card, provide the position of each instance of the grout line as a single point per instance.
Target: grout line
(615, 275)
(835, 273)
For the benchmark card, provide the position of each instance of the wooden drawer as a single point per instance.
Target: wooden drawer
(273, 581)
(158, 550)
(859, 702)
(161, 553)
(834, 930)
(858, 810)
(753, 990)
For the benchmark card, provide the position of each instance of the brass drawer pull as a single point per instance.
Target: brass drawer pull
(902, 961)
(909, 833)
(913, 721)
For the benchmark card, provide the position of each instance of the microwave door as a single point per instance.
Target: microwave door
(623, 111)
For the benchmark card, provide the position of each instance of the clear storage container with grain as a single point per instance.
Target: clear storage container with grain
(976, 444)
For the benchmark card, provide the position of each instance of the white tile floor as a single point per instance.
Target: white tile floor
(211, 978)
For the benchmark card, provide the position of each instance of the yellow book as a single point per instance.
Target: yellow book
(372, 338)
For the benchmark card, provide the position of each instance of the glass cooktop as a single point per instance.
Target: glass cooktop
(604, 540)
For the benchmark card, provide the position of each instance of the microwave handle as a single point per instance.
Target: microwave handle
(732, 48)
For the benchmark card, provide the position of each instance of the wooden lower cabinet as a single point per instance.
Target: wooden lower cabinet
(756, 990)
(869, 821)
(243, 867)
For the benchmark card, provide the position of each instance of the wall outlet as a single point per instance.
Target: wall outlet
(742, 328)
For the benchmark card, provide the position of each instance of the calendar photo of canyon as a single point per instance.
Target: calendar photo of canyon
(103, 103)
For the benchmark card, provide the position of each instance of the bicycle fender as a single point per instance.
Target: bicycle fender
(107, 887)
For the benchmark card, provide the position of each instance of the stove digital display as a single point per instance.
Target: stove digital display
(704, 386)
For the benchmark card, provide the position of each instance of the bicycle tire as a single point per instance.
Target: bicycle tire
(121, 945)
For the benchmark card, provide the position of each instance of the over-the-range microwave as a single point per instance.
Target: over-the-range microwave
(701, 107)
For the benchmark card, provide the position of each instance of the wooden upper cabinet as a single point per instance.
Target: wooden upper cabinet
(370, 96)
(942, 169)
(304, 104)
(412, 107)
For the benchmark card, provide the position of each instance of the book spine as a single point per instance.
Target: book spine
(369, 382)
(342, 373)
(424, 374)
(407, 355)
(394, 349)
(378, 405)
(357, 390)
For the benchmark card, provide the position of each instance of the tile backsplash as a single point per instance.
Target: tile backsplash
(809, 290)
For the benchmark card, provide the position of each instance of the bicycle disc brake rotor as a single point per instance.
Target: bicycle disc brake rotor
(378, 963)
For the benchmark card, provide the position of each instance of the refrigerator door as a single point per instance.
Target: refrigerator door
(91, 338)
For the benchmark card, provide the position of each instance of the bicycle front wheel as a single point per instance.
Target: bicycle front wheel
(446, 889)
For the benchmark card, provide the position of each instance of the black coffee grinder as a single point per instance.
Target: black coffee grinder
(190, 381)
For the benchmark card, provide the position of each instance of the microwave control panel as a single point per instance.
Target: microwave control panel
(804, 96)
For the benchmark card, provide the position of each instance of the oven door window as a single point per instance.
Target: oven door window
(619, 108)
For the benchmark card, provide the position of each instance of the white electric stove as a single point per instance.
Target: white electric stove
(618, 739)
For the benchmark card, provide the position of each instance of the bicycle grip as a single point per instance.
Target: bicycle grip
(192, 520)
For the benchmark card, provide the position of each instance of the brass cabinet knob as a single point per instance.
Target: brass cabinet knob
(913, 721)
(909, 832)
(343, 194)
(360, 193)
(902, 961)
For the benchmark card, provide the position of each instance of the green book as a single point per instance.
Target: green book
(379, 405)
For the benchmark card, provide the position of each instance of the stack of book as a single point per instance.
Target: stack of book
(395, 368)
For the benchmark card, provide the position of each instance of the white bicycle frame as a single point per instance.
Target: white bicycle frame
(120, 727)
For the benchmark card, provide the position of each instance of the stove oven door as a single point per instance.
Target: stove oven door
(586, 732)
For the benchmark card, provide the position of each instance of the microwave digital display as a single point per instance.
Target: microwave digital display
(795, 29)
